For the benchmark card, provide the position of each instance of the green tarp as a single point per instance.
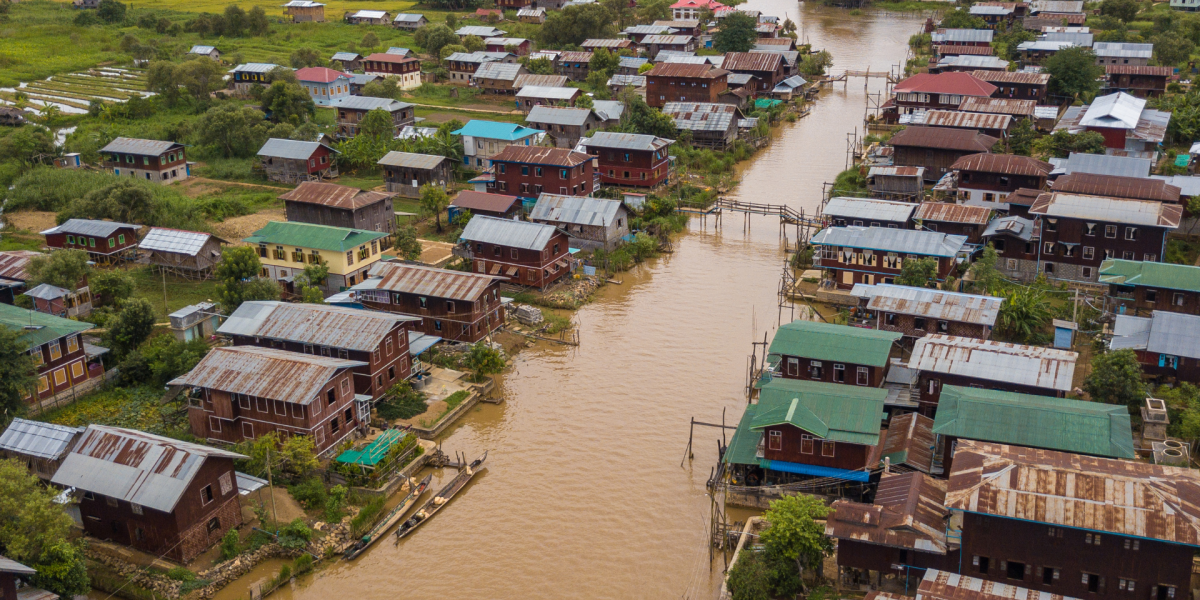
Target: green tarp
(766, 103)
(1182, 160)
(375, 451)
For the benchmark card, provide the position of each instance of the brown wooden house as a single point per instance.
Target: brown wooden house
(352, 110)
(498, 77)
(65, 366)
(565, 125)
(527, 171)
(630, 159)
(339, 206)
(986, 179)
(41, 447)
(1140, 81)
(917, 312)
(377, 339)
(574, 65)
(1016, 84)
(500, 206)
(293, 161)
(529, 254)
(852, 255)
(160, 495)
(404, 172)
(767, 68)
(1139, 287)
(190, 254)
(949, 360)
(1117, 186)
(831, 353)
(454, 305)
(104, 241)
(305, 11)
(152, 160)
(937, 148)
(926, 91)
(685, 82)
(406, 68)
(242, 392)
(1015, 239)
(954, 219)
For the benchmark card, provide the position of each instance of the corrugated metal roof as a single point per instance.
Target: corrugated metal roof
(496, 203)
(1056, 6)
(608, 110)
(8, 565)
(955, 82)
(498, 70)
(1048, 368)
(943, 138)
(1150, 274)
(966, 120)
(990, 10)
(531, 12)
(1085, 492)
(540, 155)
(1013, 77)
(667, 40)
(139, 146)
(626, 141)
(265, 373)
(691, 60)
(547, 115)
(1106, 165)
(471, 57)
(199, 49)
(46, 291)
(962, 36)
(1138, 188)
(504, 232)
(1112, 210)
(320, 75)
(743, 446)
(363, 79)
(494, 130)
(701, 116)
(948, 212)
(915, 172)
(1130, 333)
(605, 43)
(411, 160)
(1035, 421)
(1003, 164)
(633, 62)
(90, 227)
(789, 84)
(908, 512)
(1000, 106)
(1075, 37)
(909, 441)
(135, 466)
(13, 263)
(256, 67)
(333, 195)
(835, 343)
(691, 71)
(291, 149)
(883, 239)
(371, 103)
(868, 208)
(1174, 333)
(1043, 46)
(1117, 111)
(751, 61)
(41, 440)
(504, 41)
(933, 304)
(428, 281)
(960, 50)
(576, 57)
(832, 411)
(369, 14)
(408, 18)
(346, 56)
(972, 62)
(481, 31)
(1139, 70)
(316, 324)
(1122, 50)
(624, 80)
(540, 92)
(575, 210)
(302, 4)
(942, 585)
(528, 79)
(648, 30)
(310, 235)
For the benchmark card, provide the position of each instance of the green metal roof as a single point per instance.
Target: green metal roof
(1036, 421)
(837, 343)
(373, 452)
(834, 411)
(307, 235)
(743, 446)
(36, 328)
(1150, 274)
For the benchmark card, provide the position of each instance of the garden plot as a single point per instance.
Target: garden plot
(73, 92)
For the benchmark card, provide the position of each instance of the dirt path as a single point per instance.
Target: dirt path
(463, 109)
(31, 220)
(240, 227)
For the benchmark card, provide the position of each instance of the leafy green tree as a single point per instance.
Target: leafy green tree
(311, 281)
(474, 43)
(639, 117)
(621, 11)
(26, 142)
(748, 577)
(132, 326)
(377, 125)
(61, 268)
(261, 288)
(306, 57)
(1021, 138)
(1023, 315)
(815, 65)
(235, 20)
(574, 24)
(407, 243)
(485, 360)
(36, 530)
(229, 545)
(257, 23)
(645, 67)
(539, 66)
(111, 11)
(288, 102)
(1073, 72)
(649, 11)
(61, 570)
(1125, 10)
(450, 49)
(111, 287)
(960, 18)
(986, 278)
(737, 34)
(451, 20)
(17, 374)
(1116, 378)
(584, 101)
(604, 62)
(1062, 143)
(1172, 49)
(433, 202)
(370, 40)
(598, 83)
(166, 358)
(387, 87)
(921, 272)
(794, 532)
(125, 201)
(233, 131)
(1005, 41)
(299, 456)
(239, 265)
(433, 37)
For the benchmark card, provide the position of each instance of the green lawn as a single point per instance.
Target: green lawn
(148, 284)
(20, 240)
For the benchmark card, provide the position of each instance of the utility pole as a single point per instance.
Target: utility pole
(271, 484)
(166, 311)
(1075, 308)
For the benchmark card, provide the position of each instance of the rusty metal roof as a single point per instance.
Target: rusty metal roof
(941, 585)
(1138, 188)
(909, 442)
(943, 138)
(1139, 70)
(135, 466)
(966, 120)
(265, 373)
(896, 172)
(1151, 213)
(907, 513)
(428, 281)
(331, 194)
(1019, 77)
(751, 61)
(1073, 490)
(929, 303)
(1003, 164)
(576, 57)
(481, 201)
(999, 106)
(1048, 368)
(540, 155)
(948, 212)
(963, 50)
(687, 70)
(315, 324)
(13, 263)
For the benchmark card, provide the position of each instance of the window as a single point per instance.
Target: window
(214, 524)
(1095, 583)
(981, 563)
(1131, 234)
(121, 239)
(815, 370)
(1015, 570)
(136, 509)
(243, 401)
(806, 444)
(333, 425)
(1126, 584)
(55, 350)
(827, 448)
(60, 377)
(330, 396)
(839, 373)
(1089, 253)
(422, 300)
(513, 254)
(1087, 272)
(1152, 296)
(775, 440)
(793, 366)
(1048, 268)
(345, 386)
(70, 239)
(1048, 248)
(109, 500)
(206, 494)
(919, 323)
(1049, 575)
(889, 318)
(1051, 224)
(1127, 255)
(1150, 258)
(1089, 229)
(73, 343)
(943, 327)
(1110, 231)
(862, 376)
(449, 307)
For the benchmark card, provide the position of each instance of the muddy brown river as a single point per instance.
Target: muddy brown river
(583, 495)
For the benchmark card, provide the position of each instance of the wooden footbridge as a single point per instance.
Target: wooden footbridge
(805, 224)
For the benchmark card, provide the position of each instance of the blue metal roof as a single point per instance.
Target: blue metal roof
(496, 131)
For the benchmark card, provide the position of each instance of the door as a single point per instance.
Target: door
(848, 277)
(868, 278)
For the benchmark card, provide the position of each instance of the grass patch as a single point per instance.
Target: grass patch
(555, 323)
(362, 522)
(14, 240)
(11, 97)
(136, 408)
(1183, 251)
(148, 284)
(452, 401)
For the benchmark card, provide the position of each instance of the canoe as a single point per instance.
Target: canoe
(439, 500)
(388, 520)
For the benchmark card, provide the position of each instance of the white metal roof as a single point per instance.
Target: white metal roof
(869, 208)
(541, 91)
(369, 14)
(1151, 213)
(575, 210)
(316, 324)
(174, 240)
(961, 36)
(1122, 50)
(883, 239)
(42, 440)
(504, 232)
(1118, 111)
(933, 304)
(1048, 368)
(1103, 164)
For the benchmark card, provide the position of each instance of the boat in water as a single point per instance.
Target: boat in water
(388, 520)
(441, 499)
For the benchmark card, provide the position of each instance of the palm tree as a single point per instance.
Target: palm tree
(1024, 313)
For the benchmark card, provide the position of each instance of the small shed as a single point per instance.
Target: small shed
(53, 300)
(40, 446)
(1064, 334)
(409, 21)
(190, 254)
(906, 182)
(501, 206)
(589, 222)
(209, 51)
(349, 61)
(198, 321)
(405, 172)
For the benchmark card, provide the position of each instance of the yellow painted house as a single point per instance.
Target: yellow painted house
(286, 248)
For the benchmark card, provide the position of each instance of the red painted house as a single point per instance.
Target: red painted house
(851, 255)
(767, 68)
(932, 92)
(518, 46)
(104, 241)
(527, 171)
(530, 254)
(629, 159)
(1123, 120)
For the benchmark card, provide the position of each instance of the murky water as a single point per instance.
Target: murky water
(583, 495)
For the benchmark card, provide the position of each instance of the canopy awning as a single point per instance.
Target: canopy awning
(818, 471)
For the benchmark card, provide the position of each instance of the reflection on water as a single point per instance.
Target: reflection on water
(584, 496)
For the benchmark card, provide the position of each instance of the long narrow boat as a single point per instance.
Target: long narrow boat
(388, 520)
(440, 500)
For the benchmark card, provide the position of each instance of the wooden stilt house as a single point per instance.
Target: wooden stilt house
(190, 254)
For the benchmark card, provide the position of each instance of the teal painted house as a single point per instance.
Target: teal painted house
(325, 86)
(484, 139)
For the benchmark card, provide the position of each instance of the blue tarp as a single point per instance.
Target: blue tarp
(802, 469)
(419, 342)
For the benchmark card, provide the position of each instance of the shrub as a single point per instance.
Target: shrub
(229, 544)
(362, 522)
(295, 535)
(303, 563)
(402, 402)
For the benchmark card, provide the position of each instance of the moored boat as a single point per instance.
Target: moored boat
(388, 520)
(441, 499)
